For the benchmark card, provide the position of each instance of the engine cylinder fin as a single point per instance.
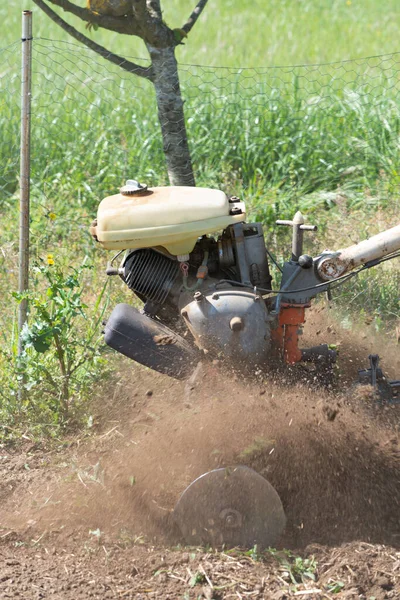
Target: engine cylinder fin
(150, 274)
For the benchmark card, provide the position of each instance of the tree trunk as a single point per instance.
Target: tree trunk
(171, 115)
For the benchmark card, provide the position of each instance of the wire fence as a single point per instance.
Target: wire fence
(318, 135)
(313, 127)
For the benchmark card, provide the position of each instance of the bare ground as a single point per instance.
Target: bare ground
(91, 518)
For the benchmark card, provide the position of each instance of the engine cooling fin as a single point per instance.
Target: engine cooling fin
(230, 507)
(150, 274)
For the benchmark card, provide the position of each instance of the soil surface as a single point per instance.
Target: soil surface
(91, 517)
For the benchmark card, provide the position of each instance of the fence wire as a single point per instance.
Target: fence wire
(316, 132)
(94, 124)
(10, 92)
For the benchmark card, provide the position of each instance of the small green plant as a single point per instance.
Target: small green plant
(302, 568)
(61, 348)
(254, 553)
(335, 587)
(298, 569)
(197, 578)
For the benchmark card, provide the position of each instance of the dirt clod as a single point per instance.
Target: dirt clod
(331, 413)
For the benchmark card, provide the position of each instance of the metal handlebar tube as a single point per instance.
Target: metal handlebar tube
(298, 229)
(332, 265)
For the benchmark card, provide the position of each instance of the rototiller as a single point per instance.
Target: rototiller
(210, 294)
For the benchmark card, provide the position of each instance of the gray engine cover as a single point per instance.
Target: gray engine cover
(230, 323)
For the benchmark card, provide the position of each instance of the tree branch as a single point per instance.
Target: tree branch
(154, 8)
(194, 16)
(127, 25)
(154, 30)
(125, 64)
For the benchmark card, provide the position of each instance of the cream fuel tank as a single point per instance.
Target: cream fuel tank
(203, 275)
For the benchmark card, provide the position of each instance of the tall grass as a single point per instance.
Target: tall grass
(320, 138)
(285, 133)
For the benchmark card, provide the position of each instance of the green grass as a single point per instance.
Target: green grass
(248, 33)
(322, 137)
(295, 131)
(292, 131)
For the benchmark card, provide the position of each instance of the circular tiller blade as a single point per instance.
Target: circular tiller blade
(233, 506)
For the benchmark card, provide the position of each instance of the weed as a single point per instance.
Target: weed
(296, 568)
(197, 578)
(61, 353)
(302, 569)
(127, 538)
(335, 587)
(254, 553)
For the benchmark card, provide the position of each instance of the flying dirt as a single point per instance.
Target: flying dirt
(96, 515)
(210, 297)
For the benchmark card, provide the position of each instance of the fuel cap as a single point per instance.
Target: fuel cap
(133, 188)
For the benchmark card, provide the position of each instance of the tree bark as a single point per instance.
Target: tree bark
(146, 22)
(171, 115)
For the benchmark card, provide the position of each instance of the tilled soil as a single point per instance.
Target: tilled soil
(109, 570)
(91, 518)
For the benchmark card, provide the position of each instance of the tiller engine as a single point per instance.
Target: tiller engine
(207, 294)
